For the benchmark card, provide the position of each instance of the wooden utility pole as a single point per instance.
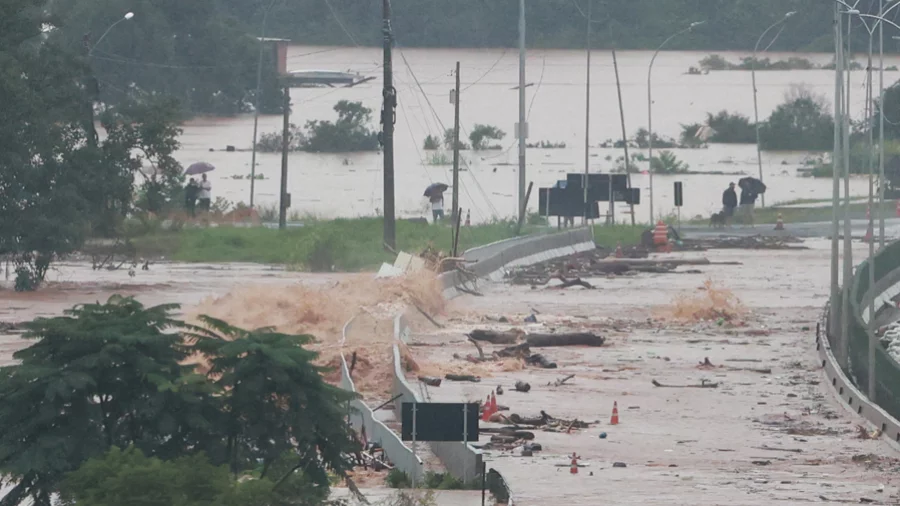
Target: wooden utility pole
(587, 118)
(523, 124)
(455, 158)
(388, 116)
(283, 203)
(624, 134)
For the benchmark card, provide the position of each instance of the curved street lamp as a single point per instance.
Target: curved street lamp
(126, 17)
(755, 107)
(650, 104)
(262, 43)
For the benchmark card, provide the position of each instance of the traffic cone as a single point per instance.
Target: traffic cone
(614, 420)
(493, 403)
(898, 208)
(574, 468)
(486, 411)
(779, 223)
(468, 220)
(619, 253)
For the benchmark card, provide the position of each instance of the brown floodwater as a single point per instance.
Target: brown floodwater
(350, 185)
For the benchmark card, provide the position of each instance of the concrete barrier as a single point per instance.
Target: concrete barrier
(462, 460)
(361, 416)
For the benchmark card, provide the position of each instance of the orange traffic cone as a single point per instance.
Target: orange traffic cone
(486, 411)
(493, 403)
(619, 253)
(779, 224)
(574, 468)
(614, 420)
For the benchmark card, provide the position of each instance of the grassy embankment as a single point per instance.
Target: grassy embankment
(347, 245)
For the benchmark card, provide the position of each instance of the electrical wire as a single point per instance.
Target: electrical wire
(488, 71)
(341, 23)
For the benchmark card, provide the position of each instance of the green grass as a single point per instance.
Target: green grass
(347, 245)
(340, 245)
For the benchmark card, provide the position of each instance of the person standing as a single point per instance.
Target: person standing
(191, 190)
(437, 206)
(729, 203)
(205, 194)
(748, 201)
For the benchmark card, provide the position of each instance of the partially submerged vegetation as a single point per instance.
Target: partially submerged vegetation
(349, 133)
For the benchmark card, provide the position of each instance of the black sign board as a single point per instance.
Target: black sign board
(438, 421)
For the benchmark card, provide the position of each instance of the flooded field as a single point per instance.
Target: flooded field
(351, 185)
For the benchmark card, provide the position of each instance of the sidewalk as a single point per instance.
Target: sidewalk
(758, 439)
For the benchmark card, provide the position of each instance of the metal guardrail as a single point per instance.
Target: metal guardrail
(361, 415)
(885, 410)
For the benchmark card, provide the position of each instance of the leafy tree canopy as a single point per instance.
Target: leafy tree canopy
(119, 375)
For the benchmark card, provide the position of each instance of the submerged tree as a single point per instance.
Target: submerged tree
(481, 134)
(349, 133)
(802, 122)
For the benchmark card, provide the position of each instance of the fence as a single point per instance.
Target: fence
(887, 370)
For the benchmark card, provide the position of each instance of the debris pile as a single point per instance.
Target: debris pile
(713, 303)
(520, 430)
(522, 343)
(747, 242)
(593, 264)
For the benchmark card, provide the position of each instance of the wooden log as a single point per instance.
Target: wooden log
(430, 381)
(567, 283)
(517, 351)
(462, 377)
(538, 421)
(494, 337)
(703, 384)
(540, 361)
(567, 339)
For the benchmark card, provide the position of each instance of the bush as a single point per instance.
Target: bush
(642, 139)
(448, 141)
(432, 143)
(398, 479)
(481, 134)
(668, 163)
(731, 128)
(689, 135)
(349, 133)
(802, 122)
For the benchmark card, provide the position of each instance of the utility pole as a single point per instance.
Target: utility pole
(283, 203)
(523, 128)
(624, 134)
(881, 127)
(587, 118)
(455, 157)
(388, 116)
(848, 247)
(836, 165)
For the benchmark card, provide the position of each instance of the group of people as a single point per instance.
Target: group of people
(197, 195)
(743, 208)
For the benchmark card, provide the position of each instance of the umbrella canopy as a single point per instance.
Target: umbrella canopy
(752, 184)
(199, 168)
(435, 189)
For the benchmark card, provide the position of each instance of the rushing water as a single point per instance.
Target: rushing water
(351, 185)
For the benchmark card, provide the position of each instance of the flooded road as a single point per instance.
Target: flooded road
(770, 433)
(556, 114)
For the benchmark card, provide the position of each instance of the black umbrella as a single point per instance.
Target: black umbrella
(199, 168)
(752, 184)
(435, 189)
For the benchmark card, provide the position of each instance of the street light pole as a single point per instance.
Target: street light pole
(523, 127)
(755, 107)
(262, 43)
(650, 105)
(881, 127)
(836, 163)
(93, 89)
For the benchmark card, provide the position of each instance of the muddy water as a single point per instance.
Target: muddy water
(350, 185)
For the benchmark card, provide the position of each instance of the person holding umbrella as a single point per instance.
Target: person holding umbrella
(435, 194)
(751, 188)
(204, 192)
(190, 197)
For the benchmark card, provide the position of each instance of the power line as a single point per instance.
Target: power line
(341, 23)
(488, 71)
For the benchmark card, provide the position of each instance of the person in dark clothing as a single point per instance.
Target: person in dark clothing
(748, 201)
(729, 203)
(191, 190)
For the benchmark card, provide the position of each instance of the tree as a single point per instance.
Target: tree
(482, 133)
(802, 122)
(349, 133)
(149, 127)
(120, 375)
(449, 136)
(277, 403)
(731, 128)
